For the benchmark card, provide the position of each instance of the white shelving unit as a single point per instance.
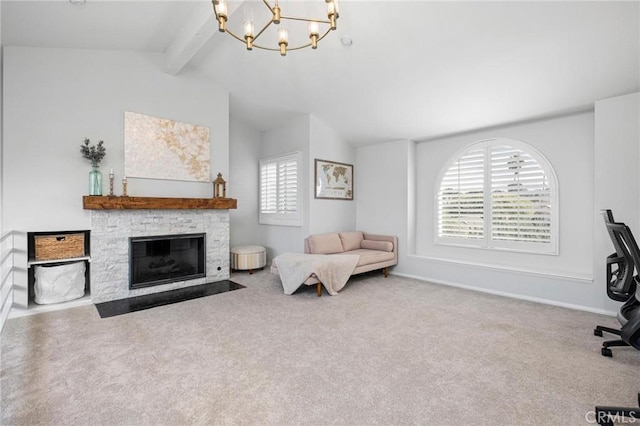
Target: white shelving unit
(85, 300)
(46, 262)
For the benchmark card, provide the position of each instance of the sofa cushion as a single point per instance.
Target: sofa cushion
(325, 244)
(367, 257)
(377, 245)
(351, 240)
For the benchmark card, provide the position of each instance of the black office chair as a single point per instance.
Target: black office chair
(630, 333)
(621, 283)
(609, 416)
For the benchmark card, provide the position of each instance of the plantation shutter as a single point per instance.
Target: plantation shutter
(498, 194)
(461, 197)
(280, 198)
(288, 186)
(268, 188)
(520, 197)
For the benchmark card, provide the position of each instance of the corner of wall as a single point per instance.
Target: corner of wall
(617, 178)
(1, 131)
(244, 155)
(326, 144)
(411, 197)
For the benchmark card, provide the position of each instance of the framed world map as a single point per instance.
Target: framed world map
(333, 180)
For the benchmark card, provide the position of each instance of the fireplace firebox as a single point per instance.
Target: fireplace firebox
(164, 259)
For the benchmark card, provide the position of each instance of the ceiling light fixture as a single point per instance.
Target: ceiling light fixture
(346, 41)
(318, 28)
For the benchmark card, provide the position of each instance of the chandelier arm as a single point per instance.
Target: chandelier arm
(299, 47)
(263, 30)
(272, 11)
(278, 49)
(323, 36)
(292, 48)
(293, 18)
(241, 39)
(231, 33)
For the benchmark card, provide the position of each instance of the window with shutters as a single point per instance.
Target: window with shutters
(498, 194)
(280, 190)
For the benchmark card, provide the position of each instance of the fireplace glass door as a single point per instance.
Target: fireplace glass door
(166, 258)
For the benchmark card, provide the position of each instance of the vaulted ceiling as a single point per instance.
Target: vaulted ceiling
(415, 69)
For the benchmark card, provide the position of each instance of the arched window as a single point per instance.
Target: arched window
(498, 194)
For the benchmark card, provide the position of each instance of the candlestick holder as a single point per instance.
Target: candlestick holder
(124, 187)
(111, 176)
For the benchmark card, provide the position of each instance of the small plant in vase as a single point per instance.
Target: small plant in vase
(95, 154)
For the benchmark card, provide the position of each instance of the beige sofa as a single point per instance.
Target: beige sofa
(375, 251)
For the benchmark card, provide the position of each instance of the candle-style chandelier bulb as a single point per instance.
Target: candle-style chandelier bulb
(249, 34)
(283, 40)
(314, 33)
(248, 28)
(332, 13)
(221, 14)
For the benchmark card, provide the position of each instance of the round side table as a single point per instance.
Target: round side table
(248, 258)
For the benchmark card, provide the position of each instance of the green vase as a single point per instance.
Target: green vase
(95, 181)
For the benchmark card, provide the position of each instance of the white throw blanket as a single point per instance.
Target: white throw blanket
(332, 271)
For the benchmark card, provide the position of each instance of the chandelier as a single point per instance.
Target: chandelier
(274, 34)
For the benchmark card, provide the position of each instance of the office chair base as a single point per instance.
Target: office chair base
(609, 416)
(599, 329)
(610, 344)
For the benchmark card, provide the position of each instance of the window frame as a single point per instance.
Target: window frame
(280, 217)
(487, 242)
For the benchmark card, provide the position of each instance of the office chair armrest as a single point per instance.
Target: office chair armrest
(613, 276)
(614, 258)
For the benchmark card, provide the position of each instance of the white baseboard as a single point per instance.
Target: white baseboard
(512, 295)
(5, 309)
(17, 312)
(581, 277)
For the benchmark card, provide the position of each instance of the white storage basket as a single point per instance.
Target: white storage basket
(59, 283)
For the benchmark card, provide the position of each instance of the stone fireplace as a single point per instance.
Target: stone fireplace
(112, 229)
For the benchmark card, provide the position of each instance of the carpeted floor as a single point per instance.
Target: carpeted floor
(390, 351)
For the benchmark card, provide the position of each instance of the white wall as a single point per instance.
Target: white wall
(1, 132)
(383, 184)
(56, 97)
(329, 215)
(617, 172)
(6, 276)
(53, 98)
(293, 136)
(243, 183)
(314, 139)
(568, 143)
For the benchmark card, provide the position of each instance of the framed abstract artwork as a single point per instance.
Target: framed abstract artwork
(159, 148)
(333, 180)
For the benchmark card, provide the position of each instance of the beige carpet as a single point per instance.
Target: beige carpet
(390, 351)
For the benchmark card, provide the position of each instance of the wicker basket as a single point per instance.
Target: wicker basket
(61, 246)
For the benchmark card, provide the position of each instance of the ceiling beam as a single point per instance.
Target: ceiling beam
(193, 35)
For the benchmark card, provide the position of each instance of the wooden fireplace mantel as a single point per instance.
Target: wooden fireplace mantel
(93, 202)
